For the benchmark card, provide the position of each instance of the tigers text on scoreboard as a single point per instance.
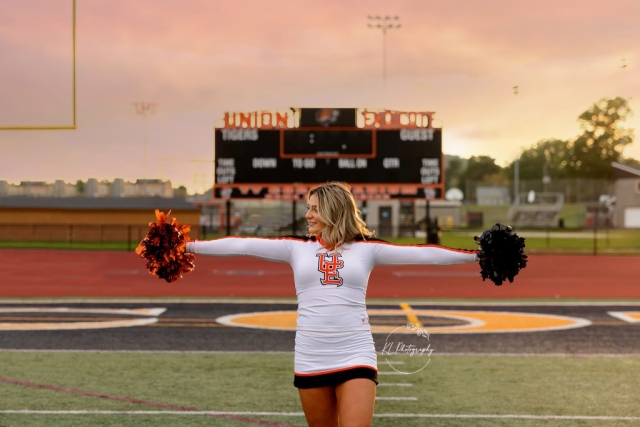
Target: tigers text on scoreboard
(258, 156)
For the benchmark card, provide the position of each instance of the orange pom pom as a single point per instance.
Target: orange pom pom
(164, 248)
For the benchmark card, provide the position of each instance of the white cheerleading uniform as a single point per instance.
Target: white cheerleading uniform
(333, 332)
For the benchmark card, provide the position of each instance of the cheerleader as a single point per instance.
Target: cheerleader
(335, 367)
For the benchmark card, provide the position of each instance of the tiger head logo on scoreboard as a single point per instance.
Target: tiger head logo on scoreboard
(327, 116)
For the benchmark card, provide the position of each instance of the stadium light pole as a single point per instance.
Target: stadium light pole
(516, 169)
(384, 23)
(144, 109)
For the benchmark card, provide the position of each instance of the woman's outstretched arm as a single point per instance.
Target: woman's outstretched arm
(278, 250)
(391, 254)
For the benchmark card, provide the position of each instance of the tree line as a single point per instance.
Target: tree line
(602, 140)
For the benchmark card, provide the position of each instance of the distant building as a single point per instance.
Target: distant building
(64, 189)
(627, 196)
(38, 189)
(87, 219)
(148, 188)
(493, 196)
(91, 188)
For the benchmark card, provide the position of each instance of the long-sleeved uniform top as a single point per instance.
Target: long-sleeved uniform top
(331, 285)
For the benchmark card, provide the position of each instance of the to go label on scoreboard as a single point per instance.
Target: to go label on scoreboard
(304, 163)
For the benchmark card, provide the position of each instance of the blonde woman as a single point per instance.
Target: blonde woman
(335, 367)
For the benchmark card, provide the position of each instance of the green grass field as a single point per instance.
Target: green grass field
(539, 241)
(450, 391)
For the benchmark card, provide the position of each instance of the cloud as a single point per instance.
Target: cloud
(199, 58)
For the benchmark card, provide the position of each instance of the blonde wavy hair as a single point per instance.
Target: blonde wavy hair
(338, 210)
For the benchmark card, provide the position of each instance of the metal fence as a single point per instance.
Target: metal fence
(74, 235)
(577, 190)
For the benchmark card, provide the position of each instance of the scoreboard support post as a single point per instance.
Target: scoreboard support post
(228, 217)
(432, 229)
(294, 225)
(427, 224)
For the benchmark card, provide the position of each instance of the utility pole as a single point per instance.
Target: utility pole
(384, 23)
(144, 109)
(516, 169)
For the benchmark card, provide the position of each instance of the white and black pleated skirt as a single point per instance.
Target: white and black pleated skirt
(329, 358)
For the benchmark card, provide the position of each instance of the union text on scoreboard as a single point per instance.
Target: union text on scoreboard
(280, 155)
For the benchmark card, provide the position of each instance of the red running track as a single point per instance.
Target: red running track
(47, 273)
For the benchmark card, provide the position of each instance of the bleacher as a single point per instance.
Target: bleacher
(267, 219)
(536, 209)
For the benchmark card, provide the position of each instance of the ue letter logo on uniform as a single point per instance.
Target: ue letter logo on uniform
(329, 265)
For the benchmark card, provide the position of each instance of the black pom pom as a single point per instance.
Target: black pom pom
(501, 254)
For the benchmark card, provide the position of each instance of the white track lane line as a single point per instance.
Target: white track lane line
(291, 301)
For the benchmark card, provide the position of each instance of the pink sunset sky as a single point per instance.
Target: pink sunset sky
(199, 58)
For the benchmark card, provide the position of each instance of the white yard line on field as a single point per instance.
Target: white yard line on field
(396, 398)
(300, 414)
(465, 354)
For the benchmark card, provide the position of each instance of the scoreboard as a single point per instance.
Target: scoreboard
(255, 162)
(327, 143)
